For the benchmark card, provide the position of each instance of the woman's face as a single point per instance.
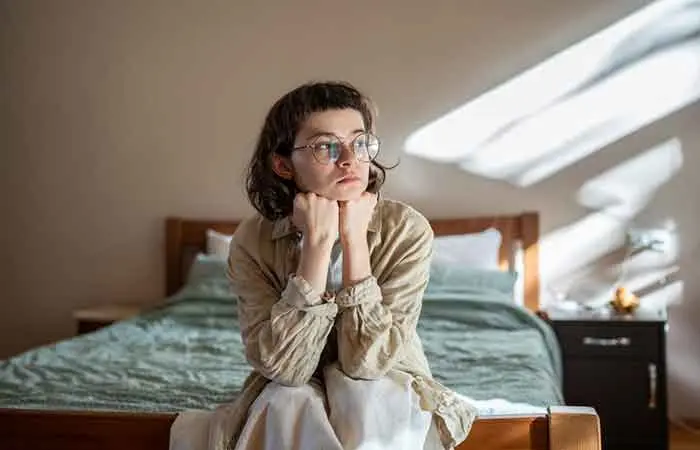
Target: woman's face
(344, 179)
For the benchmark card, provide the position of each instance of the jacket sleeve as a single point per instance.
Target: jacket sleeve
(377, 320)
(283, 333)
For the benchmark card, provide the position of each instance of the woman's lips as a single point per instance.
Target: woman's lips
(348, 180)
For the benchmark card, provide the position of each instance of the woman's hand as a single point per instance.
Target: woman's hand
(316, 217)
(355, 216)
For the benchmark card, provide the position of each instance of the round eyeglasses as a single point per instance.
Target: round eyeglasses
(328, 148)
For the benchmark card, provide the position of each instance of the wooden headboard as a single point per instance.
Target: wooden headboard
(520, 233)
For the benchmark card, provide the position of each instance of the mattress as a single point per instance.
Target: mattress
(188, 354)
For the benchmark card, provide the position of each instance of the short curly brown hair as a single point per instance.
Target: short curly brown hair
(273, 196)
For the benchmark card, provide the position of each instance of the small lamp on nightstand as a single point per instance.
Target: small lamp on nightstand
(607, 288)
(638, 241)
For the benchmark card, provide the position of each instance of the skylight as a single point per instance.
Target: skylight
(635, 72)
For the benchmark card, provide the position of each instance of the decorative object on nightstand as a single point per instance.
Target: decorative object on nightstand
(624, 302)
(616, 363)
(638, 241)
(93, 318)
(608, 284)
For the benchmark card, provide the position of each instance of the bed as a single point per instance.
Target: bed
(122, 386)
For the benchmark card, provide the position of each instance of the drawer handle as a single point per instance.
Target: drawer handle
(652, 386)
(607, 342)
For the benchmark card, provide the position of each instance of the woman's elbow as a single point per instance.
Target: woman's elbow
(363, 371)
(374, 362)
(289, 380)
(280, 373)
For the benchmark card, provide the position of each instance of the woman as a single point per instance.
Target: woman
(330, 281)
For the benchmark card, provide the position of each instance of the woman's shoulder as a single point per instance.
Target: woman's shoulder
(253, 230)
(397, 216)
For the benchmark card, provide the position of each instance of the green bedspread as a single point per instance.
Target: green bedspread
(188, 354)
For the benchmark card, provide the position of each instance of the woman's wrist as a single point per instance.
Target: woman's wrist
(318, 241)
(314, 260)
(353, 238)
(356, 263)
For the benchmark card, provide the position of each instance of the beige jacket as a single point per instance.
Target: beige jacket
(370, 328)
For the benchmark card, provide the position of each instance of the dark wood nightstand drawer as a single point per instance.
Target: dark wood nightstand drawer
(609, 339)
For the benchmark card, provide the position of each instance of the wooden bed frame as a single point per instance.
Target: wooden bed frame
(561, 428)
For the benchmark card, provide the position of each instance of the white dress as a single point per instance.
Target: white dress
(334, 413)
(352, 414)
(339, 413)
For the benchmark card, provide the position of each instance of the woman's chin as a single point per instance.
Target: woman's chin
(344, 195)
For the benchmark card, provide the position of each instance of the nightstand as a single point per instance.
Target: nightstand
(617, 364)
(93, 318)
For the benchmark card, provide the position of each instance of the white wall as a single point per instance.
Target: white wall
(116, 114)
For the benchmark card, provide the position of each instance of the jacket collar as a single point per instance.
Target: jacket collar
(284, 227)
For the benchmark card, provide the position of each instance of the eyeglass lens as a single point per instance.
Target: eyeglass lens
(329, 148)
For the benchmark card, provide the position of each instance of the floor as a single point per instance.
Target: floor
(683, 439)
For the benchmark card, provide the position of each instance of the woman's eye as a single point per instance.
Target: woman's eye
(326, 146)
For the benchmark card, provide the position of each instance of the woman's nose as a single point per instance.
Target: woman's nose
(347, 156)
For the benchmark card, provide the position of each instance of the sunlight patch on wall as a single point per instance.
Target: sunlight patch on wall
(631, 74)
(604, 265)
(575, 246)
(616, 196)
(668, 295)
(625, 189)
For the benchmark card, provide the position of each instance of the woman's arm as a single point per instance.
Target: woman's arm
(375, 322)
(314, 260)
(283, 335)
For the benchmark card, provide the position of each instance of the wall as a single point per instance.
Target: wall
(117, 114)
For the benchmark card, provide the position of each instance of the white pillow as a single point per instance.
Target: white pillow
(475, 250)
(218, 243)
